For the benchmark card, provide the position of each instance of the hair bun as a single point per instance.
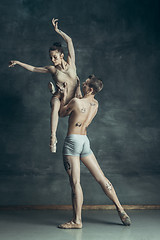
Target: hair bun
(57, 44)
(56, 47)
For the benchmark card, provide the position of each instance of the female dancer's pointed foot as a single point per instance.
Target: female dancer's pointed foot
(53, 142)
(51, 87)
(124, 218)
(70, 225)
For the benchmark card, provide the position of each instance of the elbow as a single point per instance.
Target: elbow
(61, 114)
(69, 40)
(33, 69)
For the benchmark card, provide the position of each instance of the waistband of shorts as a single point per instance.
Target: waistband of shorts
(75, 135)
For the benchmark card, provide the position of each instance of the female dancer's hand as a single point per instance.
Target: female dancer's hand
(12, 63)
(55, 24)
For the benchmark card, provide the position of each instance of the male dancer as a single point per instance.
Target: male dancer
(77, 147)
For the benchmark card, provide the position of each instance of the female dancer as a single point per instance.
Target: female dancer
(62, 72)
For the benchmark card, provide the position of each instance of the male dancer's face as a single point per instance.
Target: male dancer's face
(56, 57)
(85, 86)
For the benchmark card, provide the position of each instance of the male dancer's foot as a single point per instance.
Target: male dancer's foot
(71, 225)
(53, 142)
(124, 217)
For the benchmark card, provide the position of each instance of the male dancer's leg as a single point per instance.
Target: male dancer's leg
(91, 163)
(72, 166)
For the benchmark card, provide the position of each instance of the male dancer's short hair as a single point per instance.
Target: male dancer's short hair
(95, 83)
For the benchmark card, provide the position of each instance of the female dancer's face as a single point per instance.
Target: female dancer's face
(56, 57)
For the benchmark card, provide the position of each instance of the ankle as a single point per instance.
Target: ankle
(53, 135)
(120, 209)
(77, 221)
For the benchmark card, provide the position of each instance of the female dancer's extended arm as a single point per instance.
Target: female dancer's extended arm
(67, 39)
(29, 67)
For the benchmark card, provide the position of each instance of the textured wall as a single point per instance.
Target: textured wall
(119, 41)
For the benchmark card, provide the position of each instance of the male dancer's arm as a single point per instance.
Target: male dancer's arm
(65, 110)
(78, 93)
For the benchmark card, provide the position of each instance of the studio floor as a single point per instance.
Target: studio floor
(97, 224)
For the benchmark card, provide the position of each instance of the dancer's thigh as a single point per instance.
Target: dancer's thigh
(91, 163)
(72, 166)
(55, 100)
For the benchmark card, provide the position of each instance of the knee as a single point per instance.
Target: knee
(75, 183)
(100, 179)
(103, 181)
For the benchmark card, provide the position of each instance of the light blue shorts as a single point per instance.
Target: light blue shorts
(77, 145)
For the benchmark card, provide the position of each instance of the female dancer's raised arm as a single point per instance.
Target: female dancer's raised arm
(68, 40)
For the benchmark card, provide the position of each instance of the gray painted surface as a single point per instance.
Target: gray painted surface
(119, 41)
(39, 225)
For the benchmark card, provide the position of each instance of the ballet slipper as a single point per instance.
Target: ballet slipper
(52, 145)
(51, 87)
(124, 218)
(70, 225)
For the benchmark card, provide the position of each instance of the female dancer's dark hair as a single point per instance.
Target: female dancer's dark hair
(56, 46)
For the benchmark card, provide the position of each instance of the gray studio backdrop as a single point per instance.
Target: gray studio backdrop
(119, 41)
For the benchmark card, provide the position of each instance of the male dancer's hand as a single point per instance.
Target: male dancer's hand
(63, 91)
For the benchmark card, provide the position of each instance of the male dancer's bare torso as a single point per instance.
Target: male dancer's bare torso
(81, 111)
